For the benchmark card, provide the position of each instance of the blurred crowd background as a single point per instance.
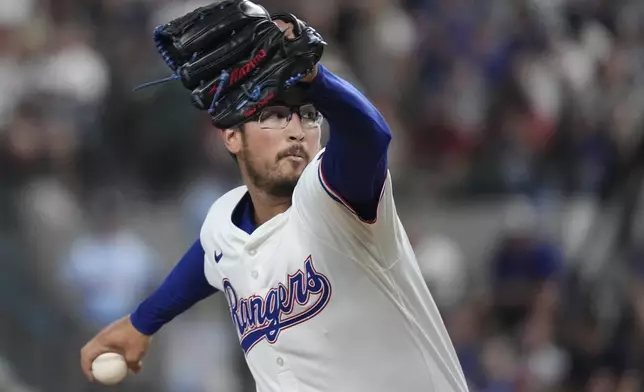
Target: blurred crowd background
(514, 121)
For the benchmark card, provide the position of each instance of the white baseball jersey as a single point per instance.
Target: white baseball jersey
(324, 302)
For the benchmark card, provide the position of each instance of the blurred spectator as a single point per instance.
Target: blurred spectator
(442, 265)
(466, 329)
(545, 363)
(197, 201)
(109, 268)
(13, 77)
(587, 350)
(72, 69)
(526, 274)
(500, 363)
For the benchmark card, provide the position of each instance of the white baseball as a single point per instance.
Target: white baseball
(109, 368)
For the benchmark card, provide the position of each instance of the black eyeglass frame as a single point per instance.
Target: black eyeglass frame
(291, 110)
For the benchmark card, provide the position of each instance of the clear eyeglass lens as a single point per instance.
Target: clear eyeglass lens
(275, 117)
(310, 116)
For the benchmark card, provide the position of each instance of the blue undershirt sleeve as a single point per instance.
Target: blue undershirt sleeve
(185, 286)
(354, 165)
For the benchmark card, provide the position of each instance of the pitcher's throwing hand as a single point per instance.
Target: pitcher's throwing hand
(119, 337)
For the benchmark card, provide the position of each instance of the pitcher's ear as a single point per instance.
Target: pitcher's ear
(232, 139)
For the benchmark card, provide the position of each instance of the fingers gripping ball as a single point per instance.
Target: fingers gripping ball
(109, 368)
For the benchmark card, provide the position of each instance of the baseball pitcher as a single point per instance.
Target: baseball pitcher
(322, 283)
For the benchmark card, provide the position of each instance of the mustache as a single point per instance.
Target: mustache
(295, 150)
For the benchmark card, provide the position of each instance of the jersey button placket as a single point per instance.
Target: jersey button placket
(253, 274)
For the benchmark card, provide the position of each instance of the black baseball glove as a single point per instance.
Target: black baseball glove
(235, 60)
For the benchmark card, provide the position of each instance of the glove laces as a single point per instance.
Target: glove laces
(223, 79)
(174, 76)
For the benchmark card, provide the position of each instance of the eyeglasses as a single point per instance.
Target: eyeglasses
(278, 117)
